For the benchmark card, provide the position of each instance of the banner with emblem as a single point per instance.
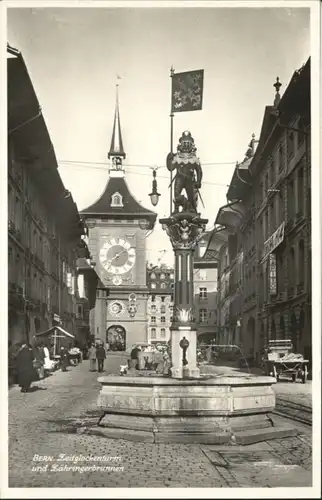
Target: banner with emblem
(187, 91)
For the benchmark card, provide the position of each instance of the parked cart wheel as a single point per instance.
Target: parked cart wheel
(304, 374)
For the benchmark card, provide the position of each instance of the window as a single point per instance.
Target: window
(290, 145)
(266, 185)
(152, 276)
(202, 315)
(291, 267)
(163, 333)
(162, 319)
(153, 298)
(171, 276)
(171, 318)
(162, 276)
(153, 333)
(280, 208)
(301, 133)
(290, 198)
(163, 285)
(162, 299)
(273, 218)
(280, 158)
(153, 308)
(117, 200)
(163, 309)
(202, 292)
(272, 172)
(79, 311)
(260, 193)
(300, 191)
(153, 285)
(301, 264)
(153, 319)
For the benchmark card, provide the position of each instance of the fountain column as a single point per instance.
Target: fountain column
(184, 230)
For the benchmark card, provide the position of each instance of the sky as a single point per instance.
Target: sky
(74, 56)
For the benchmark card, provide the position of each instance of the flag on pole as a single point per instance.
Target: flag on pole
(187, 91)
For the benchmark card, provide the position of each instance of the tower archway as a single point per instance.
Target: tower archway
(116, 337)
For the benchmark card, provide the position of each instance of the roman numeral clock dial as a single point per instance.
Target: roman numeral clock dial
(117, 257)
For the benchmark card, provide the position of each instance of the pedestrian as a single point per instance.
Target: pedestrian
(26, 373)
(100, 356)
(92, 358)
(63, 359)
(39, 357)
(135, 357)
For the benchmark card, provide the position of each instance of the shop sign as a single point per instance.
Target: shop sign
(272, 274)
(273, 242)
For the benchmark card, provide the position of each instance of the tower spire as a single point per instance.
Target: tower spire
(116, 150)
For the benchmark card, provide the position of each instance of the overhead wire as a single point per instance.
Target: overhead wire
(76, 165)
(141, 165)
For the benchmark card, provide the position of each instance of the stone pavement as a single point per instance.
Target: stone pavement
(52, 420)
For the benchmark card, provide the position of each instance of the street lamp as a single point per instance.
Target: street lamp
(154, 196)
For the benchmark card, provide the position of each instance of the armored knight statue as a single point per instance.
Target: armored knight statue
(188, 174)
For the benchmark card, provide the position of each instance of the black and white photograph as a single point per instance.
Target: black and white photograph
(161, 284)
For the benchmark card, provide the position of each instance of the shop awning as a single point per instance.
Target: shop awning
(51, 331)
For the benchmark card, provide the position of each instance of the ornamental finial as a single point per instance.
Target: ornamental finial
(277, 86)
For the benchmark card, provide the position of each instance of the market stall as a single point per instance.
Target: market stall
(58, 338)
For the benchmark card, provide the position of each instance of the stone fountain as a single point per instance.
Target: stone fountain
(187, 407)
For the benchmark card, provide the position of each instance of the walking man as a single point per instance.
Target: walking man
(100, 355)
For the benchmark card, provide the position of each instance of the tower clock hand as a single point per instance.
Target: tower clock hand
(118, 254)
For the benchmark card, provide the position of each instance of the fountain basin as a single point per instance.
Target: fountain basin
(221, 409)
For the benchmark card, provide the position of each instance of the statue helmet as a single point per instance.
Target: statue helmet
(186, 141)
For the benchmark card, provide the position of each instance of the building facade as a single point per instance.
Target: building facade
(44, 227)
(205, 291)
(265, 254)
(88, 283)
(160, 282)
(117, 229)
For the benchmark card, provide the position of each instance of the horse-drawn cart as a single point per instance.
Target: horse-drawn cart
(280, 360)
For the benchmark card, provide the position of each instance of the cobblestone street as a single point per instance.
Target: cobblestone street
(50, 422)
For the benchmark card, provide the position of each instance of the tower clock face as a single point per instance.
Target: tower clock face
(117, 256)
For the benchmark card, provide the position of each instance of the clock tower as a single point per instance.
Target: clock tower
(117, 226)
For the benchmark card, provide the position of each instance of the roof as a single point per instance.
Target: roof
(52, 330)
(230, 215)
(218, 238)
(30, 137)
(131, 207)
(295, 100)
(210, 255)
(240, 182)
(296, 97)
(117, 148)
